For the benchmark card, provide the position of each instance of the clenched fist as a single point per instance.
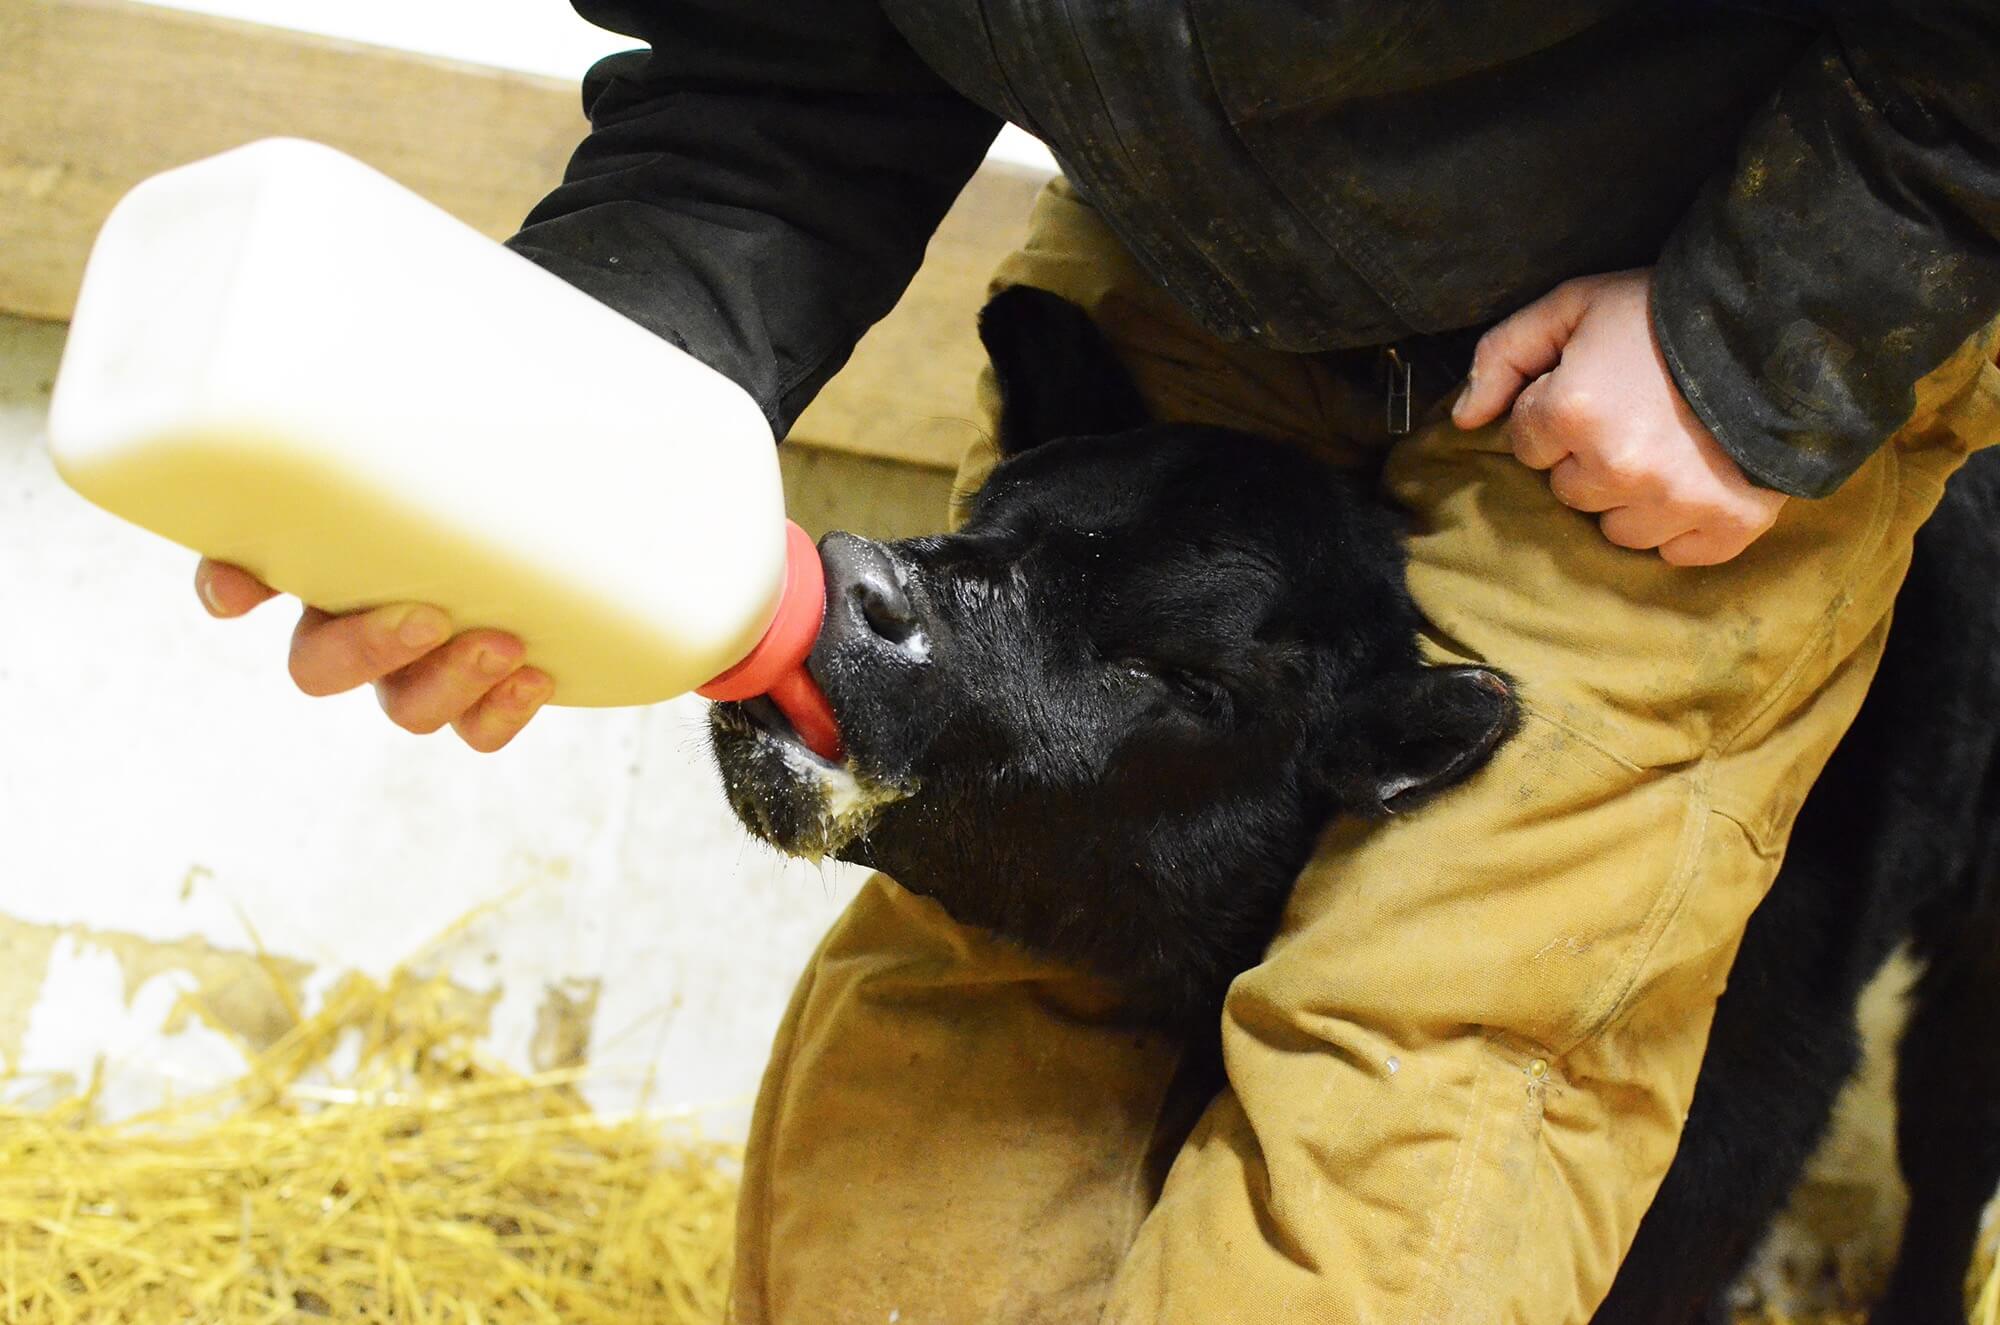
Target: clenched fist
(1595, 406)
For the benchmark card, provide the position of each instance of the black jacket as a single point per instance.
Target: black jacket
(1818, 184)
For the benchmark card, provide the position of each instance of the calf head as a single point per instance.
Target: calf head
(1109, 717)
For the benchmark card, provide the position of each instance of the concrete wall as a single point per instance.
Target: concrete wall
(170, 807)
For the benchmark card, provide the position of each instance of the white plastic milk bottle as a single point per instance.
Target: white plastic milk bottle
(285, 360)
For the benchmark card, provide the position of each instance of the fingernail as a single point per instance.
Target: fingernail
(207, 588)
(494, 663)
(530, 688)
(421, 627)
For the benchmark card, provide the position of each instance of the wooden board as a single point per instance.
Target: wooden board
(97, 94)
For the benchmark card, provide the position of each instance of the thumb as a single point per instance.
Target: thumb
(1517, 351)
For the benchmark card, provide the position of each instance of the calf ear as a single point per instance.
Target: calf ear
(1411, 735)
(1057, 374)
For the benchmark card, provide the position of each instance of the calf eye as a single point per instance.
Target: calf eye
(1195, 694)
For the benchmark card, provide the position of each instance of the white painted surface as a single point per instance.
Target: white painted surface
(87, 1015)
(535, 36)
(159, 776)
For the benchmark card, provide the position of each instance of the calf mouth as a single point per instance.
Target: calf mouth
(783, 792)
(766, 722)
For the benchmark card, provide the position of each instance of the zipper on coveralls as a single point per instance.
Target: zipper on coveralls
(1398, 375)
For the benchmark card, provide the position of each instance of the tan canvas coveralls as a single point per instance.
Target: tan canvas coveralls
(1462, 1069)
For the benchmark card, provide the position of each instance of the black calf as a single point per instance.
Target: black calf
(1110, 717)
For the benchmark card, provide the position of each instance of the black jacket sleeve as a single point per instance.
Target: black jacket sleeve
(1856, 246)
(759, 187)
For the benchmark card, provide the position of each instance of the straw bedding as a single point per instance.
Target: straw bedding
(371, 1166)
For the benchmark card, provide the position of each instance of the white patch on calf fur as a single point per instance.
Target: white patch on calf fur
(1832, 1247)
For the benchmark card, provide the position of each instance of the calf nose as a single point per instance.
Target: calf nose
(865, 599)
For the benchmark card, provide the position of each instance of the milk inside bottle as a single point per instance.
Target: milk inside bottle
(285, 360)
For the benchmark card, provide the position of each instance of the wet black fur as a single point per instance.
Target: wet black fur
(1161, 658)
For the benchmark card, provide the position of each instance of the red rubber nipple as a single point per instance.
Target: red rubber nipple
(777, 666)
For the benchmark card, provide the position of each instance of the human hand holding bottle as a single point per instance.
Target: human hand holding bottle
(425, 675)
